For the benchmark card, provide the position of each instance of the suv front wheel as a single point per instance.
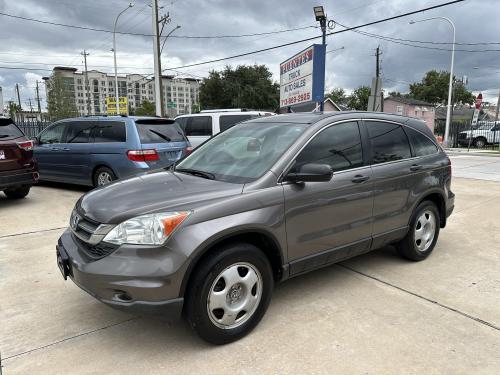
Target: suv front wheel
(423, 233)
(230, 293)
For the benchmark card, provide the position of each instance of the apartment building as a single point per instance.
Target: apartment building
(181, 95)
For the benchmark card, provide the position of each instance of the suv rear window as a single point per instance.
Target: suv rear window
(159, 131)
(9, 130)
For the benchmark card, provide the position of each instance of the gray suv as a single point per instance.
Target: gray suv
(266, 200)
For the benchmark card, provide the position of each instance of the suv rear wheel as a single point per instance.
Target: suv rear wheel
(103, 176)
(230, 293)
(17, 193)
(480, 142)
(423, 233)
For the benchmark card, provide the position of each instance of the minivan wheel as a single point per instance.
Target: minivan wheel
(103, 176)
(229, 294)
(422, 234)
(17, 193)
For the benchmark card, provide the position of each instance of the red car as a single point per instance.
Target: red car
(18, 169)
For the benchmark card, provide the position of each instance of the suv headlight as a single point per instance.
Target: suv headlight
(151, 229)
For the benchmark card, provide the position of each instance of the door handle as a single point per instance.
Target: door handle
(359, 178)
(66, 149)
(54, 149)
(415, 167)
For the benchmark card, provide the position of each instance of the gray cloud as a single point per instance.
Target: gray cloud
(24, 43)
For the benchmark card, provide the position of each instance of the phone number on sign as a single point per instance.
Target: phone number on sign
(296, 99)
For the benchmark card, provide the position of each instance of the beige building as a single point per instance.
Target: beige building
(181, 95)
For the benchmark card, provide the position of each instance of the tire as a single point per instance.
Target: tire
(17, 193)
(238, 275)
(103, 176)
(422, 234)
(479, 142)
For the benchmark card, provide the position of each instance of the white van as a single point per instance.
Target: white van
(201, 126)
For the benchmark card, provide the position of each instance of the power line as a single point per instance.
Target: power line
(316, 37)
(397, 41)
(142, 34)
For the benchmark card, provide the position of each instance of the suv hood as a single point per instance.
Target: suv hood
(151, 192)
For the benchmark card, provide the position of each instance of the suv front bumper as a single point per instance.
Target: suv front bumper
(130, 282)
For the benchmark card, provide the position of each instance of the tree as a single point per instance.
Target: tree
(61, 97)
(146, 108)
(359, 98)
(13, 109)
(434, 89)
(338, 96)
(246, 86)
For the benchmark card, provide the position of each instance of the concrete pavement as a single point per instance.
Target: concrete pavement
(375, 314)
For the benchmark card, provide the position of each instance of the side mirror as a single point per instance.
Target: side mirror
(311, 173)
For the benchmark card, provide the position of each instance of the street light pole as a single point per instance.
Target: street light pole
(320, 15)
(450, 86)
(130, 5)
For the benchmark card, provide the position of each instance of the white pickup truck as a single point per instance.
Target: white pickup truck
(488, 132)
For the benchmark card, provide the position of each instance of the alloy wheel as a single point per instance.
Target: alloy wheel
(234, 295)
(425, 230)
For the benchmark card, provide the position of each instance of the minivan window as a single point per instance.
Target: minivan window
(159, 131)
(52, 134)
(109, 131)
(338, 146)
(228, 121)
(199, 125)
(388, 142)
(9, 130)
(79, 132)
(421, 144)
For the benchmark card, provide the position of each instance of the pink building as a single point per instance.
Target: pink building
(411, 108)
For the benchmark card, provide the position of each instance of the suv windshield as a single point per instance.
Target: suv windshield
(159, 131)
(243, 153)
(9, 130)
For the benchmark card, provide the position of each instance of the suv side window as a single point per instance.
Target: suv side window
(421, 144)
(52, 134)
(388, 142)
(228, 121)
(79, 132)
(199, 125)
(109, 131)
(339, 146)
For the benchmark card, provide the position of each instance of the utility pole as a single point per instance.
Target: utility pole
(18, 97)
(376, 94)
(157, 60)
(31, 105)
(377, 68)
(38, 98)
(87, 93)
(498, 104)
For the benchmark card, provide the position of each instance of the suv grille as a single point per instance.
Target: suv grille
(96, 251)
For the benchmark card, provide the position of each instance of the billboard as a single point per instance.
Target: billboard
(302, 77)
(111, 105)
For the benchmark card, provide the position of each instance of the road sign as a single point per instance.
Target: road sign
(171, 105)
(302, 77)
(111, 105)
(479, 101)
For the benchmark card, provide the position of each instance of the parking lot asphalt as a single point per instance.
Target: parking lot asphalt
(374, 314)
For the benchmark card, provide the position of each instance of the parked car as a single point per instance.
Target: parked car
(486, 133)
(201, 126)
(97, 150)
(264, 201)
(18, 169)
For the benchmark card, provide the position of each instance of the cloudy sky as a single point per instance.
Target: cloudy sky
(34, 48)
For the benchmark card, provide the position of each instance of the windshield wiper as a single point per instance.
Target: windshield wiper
(163, 136)
(196, 172)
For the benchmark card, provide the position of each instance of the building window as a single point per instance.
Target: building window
(399, 110)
